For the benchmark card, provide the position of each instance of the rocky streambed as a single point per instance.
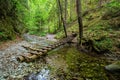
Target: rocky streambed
(62, 63)
(10, 68)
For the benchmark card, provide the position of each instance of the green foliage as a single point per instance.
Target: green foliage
(104, 44)
(78, 66)
(113, 8)
(33, 14)
(6, 29)
(114, 4)
(59, 35)
(7, 20)
(2, 36)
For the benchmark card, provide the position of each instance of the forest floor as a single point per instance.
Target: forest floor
(63, 63)
(6, 44)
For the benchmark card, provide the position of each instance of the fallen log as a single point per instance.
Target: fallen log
(34, 49)
(37, 53)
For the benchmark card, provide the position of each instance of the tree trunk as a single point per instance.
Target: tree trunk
(70, 10)
(99, 3)
(78, 5)
(64, 22)
(59, 19)
(65, 10)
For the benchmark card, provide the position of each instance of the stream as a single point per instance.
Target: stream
(62, 63)
(11, 69)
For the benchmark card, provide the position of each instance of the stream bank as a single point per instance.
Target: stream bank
(62, 63)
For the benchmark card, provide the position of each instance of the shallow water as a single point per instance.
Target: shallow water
(10, 68)
(62, 63)
(67, 63)
(42, 75)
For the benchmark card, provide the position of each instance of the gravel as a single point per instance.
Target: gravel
(10, 68)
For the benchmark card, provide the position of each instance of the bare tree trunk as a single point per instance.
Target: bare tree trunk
(59, 16)
(65, 10)
(70, 10)
(59, 23)
(99, 3)
(64, 22)
(78, 5)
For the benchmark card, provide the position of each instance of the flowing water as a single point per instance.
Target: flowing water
(62, 63)
(10, 68)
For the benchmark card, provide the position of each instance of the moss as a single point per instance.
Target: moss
(6, 31)
(83, 66)
(104, 44)
(70, 64)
